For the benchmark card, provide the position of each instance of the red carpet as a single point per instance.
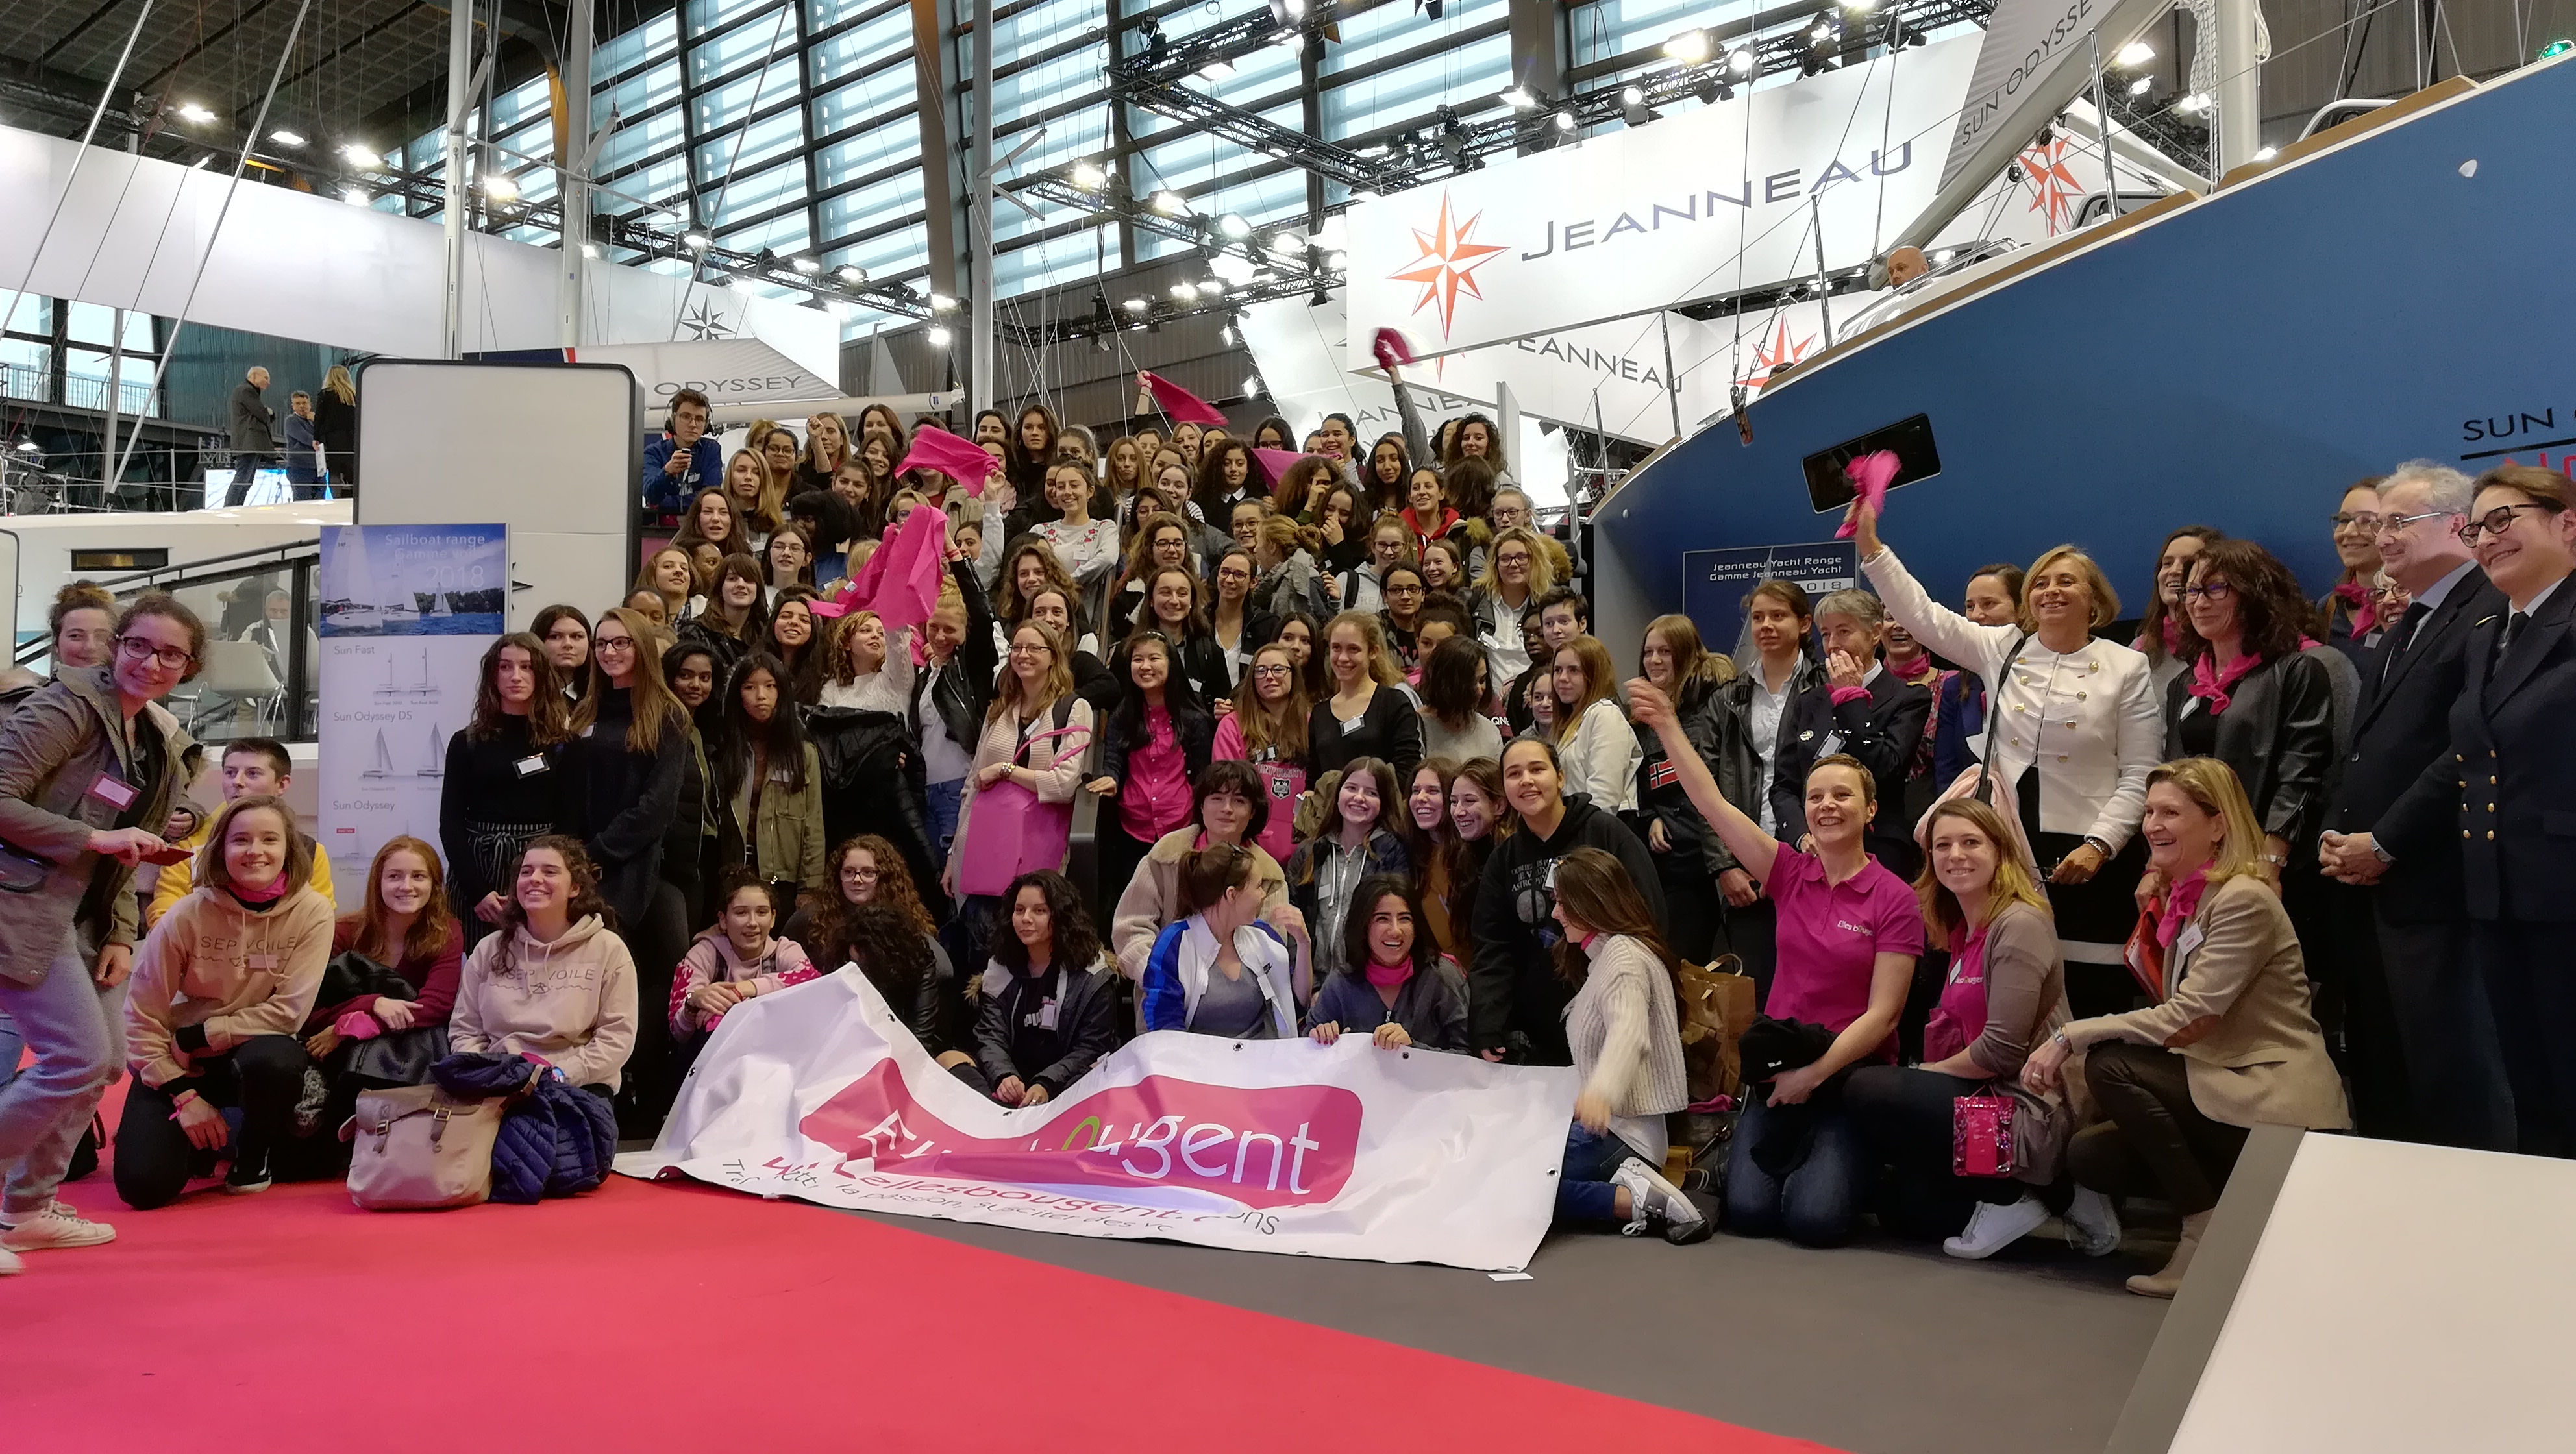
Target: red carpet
(645, 1318)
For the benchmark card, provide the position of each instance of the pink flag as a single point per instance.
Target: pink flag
(1182, 406)
(1869, 475)
(961, 460)
(1391, 349)
(1276, 463)
(900, 582)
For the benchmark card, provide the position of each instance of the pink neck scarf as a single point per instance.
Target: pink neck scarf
(2365, 606)
(2212, 684)
(276, 890)
(2181, 902)
(1386, 976)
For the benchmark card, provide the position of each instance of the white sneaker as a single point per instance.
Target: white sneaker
(2092, 1224)
(1992, 1228)
(1656, 1205)
(10, 1266)
(58, 1225)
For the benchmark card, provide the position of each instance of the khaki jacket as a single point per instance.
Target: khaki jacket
(2238, 1013)
(787, 841)
(1152, 898)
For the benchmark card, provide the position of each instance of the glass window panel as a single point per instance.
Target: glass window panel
(663, 182)
(653, 39)
(1195, 157)
(634, 140)
(870, 96)
(864, 45)
(890, 256)
(770, 36)
(740, 196)
(1477, 69)
(26, 369)
(515, 107)
(1085, 133)
(1061, 260)
(636, 95)
(785, 235)
(739, 97)
(1373, 35)
(707, 15)
(1040, 27)
(1042, 86)
(733, 153)
(32, 313)
(869, 152)
(872, 205)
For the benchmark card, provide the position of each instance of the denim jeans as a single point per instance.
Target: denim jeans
(1583, 1191)
(78, 1031)
(943, 799)
(1816, 1198)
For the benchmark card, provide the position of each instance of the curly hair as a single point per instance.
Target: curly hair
(888, 950)
(549, 715)
(1077, 940)
(895, 889)
(2271, 615)
(585, 889)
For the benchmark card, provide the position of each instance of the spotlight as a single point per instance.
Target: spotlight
(1287, 242)
(938, 337)
(942, 303)
(1740, 60)
(2135, 53)
(500, 187)
(356, 196)
(1823, 32)
(1225, 335)
(2193, 104)
(2267, 153)
(1632, 106)
(191, 111)
(1252, 386)
(805, 265)
(1186, 292)
(589, 250)
(1565, 121)
(358, 155)
(1690, 47)
(1135, 305)
(1234, 227)
(1519, 99)
(1339, 262)
(1860, 7)
(2141, 85)
(1170, 204)
(696, 241)
(285, 136)
(1088, 174)
(1213, 287)
(854, 275)
(1216, 70)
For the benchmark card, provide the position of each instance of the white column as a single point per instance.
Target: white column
(2240, 86)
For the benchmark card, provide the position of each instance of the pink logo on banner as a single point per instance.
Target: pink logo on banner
(1277, 1146)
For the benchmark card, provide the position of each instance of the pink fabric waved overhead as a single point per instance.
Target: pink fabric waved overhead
(1276, 463)
(1179, 404)
(962, 460)
(900, 582)
(1391, 349)
(1869, 475)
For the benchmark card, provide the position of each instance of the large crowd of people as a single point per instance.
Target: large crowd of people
(1358, 765)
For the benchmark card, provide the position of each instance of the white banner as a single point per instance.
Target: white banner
(1706, 202)
(406, 614)
(1284, 1146)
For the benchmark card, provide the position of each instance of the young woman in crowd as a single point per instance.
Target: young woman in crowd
(1175, 608)
(557, 984)
(790, 558)
(1401, 616)
(2347, 617)
(1086, 548)
(827, 448)
(949, 694)
(2082, 730)
(1123, 470)
(1516, 574)
(1623, 1026)
(1593, 740)
(1454, 695)
(1471, 487)
(1221, 971)
(1227, 478)
(1300, 633)
(1028, 454)
(1369, 713)
(1444, 568)
(1993, 598)
(1388, 468)
(566, 634)
(1185, 443)
(1267, 729)
(769, 780)
(1161, 542)
(1243, 525)
(1030, 567)
(746, 486)
(1341, 530)
(873, 899)
(1301, 489)
(1866, 711)
(878, 422)
(1287, 583)
(733, 621)
(1035, 732)
(1689, 856)
(1361, 836)
(736, 959)
(668, 576)
(1516, 999)
(2160, 625)
(713, 520)
(1093, 681)
(1155, 747)
(871, 669)
(1272, 433)
(1235, 628)
(508, 779)
(405, 926)
(1477, 819)
(779, 453)
(1394, 986)
(636, 752)
(1230, 804)
(1796, 1166)
(2005, 993)
(2228, 1041)
(2253, 697)
(795, 639)
(219, 992)
(1363, 587)
(1049, 958)
(648, 604)
(1426, 513)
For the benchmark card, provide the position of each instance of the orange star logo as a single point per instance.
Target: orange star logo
(1775, 353)
(2053, 186)
(1447, 264)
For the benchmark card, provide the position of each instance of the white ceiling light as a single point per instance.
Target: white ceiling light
(501, 187)
(285, 136)
(1234, 226)
(1232, 267)
(590, 250)
(1217, 70)
(2135, 53)
(1740, 60)
(2195, 103)
(1212, 286)
(1187, 292)
(854, 275)
(356, 197)
(1287, 242)
(1338, 262)
(1088, 174)
(1135, 305)
(358, 155)
(1170, 204)
(1565, 121)
(942, 303)
(1332, 234)
(805, 265)
(697, 240)
(1252, 385)
(1519, 98)
(191, 111)
(938, 337)
(1631, 96)
(1823, 32)
(2141, 85)
(1690, 47)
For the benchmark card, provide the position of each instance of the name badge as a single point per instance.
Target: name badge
(1353, 725)
(112, 792)
(1832, 744)
(778, 775)
(2189, 706)
(260, 961)
(1046, 1015)
(530, 766)
(2189, 941)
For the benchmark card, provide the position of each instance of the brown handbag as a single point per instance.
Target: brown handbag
(1717, 1007)
(417, 1148)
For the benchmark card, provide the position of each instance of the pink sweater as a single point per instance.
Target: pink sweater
(713, 959)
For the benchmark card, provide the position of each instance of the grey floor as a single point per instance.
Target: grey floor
(1877, 1348)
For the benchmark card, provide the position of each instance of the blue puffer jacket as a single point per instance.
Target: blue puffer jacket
(557, 1140)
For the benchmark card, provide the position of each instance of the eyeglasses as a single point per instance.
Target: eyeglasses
(1022, 648)
(2214, 591)
(173, 657)
(1404, 590)
(862, 875)
(2396, 524)
(1272, 669)
(2342, 522)
(606, 644)
(2496, 522)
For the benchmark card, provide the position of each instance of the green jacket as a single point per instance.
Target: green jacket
(787, 841)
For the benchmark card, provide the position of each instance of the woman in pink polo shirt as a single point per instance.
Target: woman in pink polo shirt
(1158, 741)
(1849, 932)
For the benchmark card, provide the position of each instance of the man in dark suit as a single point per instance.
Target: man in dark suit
(2451, 1075)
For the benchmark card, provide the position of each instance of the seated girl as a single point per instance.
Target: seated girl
(378, 1035)
(555, 982)
(736, 960)
(1395, 986)
(1624, 1027)
(1228, 806)
(868, 872)
(1221, 971)
(1357, 840)
(220, 989)
(1050, 1009)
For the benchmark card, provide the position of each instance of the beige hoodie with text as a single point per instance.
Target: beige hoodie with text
(571, 1002)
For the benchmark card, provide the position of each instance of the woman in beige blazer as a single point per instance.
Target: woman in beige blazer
(2229, 1042)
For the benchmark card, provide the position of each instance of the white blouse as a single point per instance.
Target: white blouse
(2088, 719)
(1602, 757)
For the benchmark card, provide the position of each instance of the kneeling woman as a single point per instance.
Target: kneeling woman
(1049, 1011)
(1395, 987)
(1221, 971)
(555, 983)
(2005, 993)
(736, 960)
(220, 989)
(2230, 1042)
(1624, 1026)
(1849, 932)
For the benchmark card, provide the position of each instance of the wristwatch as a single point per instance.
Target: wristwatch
(2099, 846)
(2380, 853)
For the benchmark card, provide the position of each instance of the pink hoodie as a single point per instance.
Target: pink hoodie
(713, 959)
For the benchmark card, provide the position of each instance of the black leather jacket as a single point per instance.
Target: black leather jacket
(2278, 734)
(965, 689)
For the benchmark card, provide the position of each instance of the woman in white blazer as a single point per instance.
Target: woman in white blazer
(2075, 728)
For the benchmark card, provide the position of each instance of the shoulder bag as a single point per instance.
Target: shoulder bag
(416, 1148)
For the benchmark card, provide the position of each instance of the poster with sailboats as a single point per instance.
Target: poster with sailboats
(414, 580)
(390, 707)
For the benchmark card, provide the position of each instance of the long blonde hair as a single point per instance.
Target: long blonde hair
(2213, 788)
(2013, 883)
(1381, 662)
(1286, 736)
(1600, 683)
(1542, 577)
(339, 385)
(1011, 699)
(654, 709)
